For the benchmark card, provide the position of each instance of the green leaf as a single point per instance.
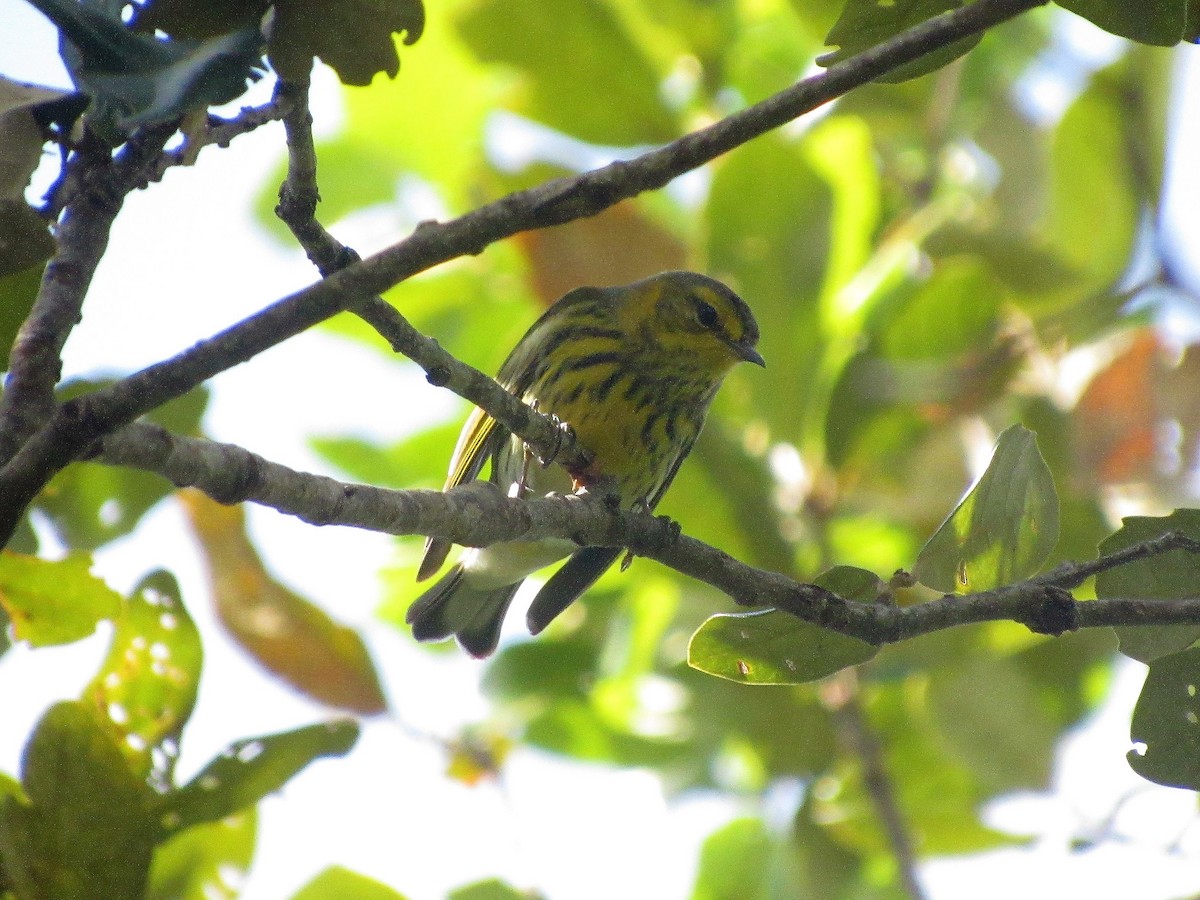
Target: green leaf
(86, 830)
(21, 141)
(17, 293)
(249, 770)
(1166, 722)
(25, 243)
(337, 883)
(564, 63)
(205, 862)
(773, 647)
(1003, 529)
(866, 23)
(734, 862)
(772, 237)
(1163, 23)
(1168, 576)
(1092, 231)
(146, 688)
(490, 889)
(992, 720)
(353, 37)
(934, 322)
(54, 602)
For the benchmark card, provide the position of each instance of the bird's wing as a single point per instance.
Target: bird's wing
(476, 442)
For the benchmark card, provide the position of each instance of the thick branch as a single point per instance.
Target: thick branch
(479, 514)
(71, 430)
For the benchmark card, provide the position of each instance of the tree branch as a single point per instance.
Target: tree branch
(480, 514)
(840, 694)
(78, 424)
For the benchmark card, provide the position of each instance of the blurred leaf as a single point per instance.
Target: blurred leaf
(476, 755)
(550, 668)
(21, 143)
(25, 243)
(337, 883)
(491, 889)
(725, 496)
(990, 716)
(617, 246)
(1168, 576)
(866, 23)
(934, 322)
(773, 647)
(86, 830)
(579, 730)
(1014, 259)
(205, 862)
(54, 602)
(416, 461)
(146, 687)
(1166, 722)
(771, 49)
(90, 504)
(1117, 419)
(735, 863)
(442, 161)
(771, 239)
(139, 80)
(250, 769)
(353, 37)
(562, 65)
(1003, 529)
(17, 293)
(1092, 230)
(940, 805)
(285, 633)
(1160, 22)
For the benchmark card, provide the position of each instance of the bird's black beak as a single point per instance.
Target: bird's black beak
(746, 352)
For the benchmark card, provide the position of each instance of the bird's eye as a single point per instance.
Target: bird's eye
(706, 315)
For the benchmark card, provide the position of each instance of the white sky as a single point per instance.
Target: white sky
(386, 810)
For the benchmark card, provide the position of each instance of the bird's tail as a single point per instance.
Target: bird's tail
(453, 608)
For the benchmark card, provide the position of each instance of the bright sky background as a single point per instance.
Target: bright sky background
(387, 811)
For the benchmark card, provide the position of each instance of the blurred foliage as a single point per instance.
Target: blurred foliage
(943, 267)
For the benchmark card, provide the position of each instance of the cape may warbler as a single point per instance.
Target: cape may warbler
(632, 371)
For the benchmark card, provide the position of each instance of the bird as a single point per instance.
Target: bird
(631, 370)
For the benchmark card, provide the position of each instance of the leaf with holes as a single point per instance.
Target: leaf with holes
(54, 602)
(86, 829)
(250, 769)
(146, 688)
(1166, 722)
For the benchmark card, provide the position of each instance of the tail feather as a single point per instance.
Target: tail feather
(453, 608)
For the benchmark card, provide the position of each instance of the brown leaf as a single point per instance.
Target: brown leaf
(286, 633)
(618, 246)
(1116, 418)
